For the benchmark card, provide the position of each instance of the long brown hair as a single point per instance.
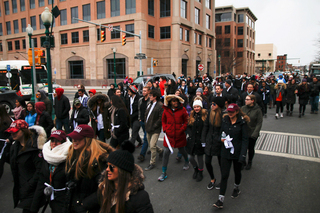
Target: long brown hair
(191, 119)
(5, 119)
(96, 104)
(215, 116)
(27, 135)
(91, 150)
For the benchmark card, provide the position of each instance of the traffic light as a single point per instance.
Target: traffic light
(124, 40)
(42, 57)
(103, 33)
(155, 62)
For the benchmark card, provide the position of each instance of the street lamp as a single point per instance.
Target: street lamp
(219, 59)
(114, 66)
(47, 18)
(29, 30)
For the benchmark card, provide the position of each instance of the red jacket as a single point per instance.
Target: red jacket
(174, 124)
(162, 87)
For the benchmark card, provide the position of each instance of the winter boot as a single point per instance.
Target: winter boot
(248, 167)
(195, 174)
(200, 176)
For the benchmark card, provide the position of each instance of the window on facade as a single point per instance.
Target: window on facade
(269, 54)
(226, 53)
(6, 8)
(75, 37)
(85, 34)
(247, 43)
(115, 34)
(219, 30)
(130, 6)
(33, 22)
(1, 31)
(101, 9)
(76, 69)
(240, 30)
(221, 17)
(186, 35)
(32, 4)
(184, 67)
(120, 68)
(23, 24)
(165, 32)
(41, 3)
(86, 13)
(15, 26)
(8, 26)
(181, 33)
(235, 17)
(240, 18)
(208, 4)
(227, 42)
(115, 7)
(64, 38)
(200, 39)
(130, 28)
(1, 47)
(151, 7)
(227, 29)
(258, 54)
(35, 42)
(22, 5)
(218, 42)
(165, 9)
(207, 21)
(183, 9)
(239, 54)
(210, 42)
(17, 45)
(74, 13)
(240, 42)
(41, 22)
(195, 38)
(23, 44)
(196, 15)
(150, 31)
(14, 6)
(9, 45)
(63, 17)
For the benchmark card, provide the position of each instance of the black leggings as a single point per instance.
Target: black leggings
(265, 108)
(291, 107)
(252, 143)
(225, 171)
(302, 108)
(279, 105)
(208, 159)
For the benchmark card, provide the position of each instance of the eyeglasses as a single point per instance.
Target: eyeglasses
(214, 104)
(111, 167)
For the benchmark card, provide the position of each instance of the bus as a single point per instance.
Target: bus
(21, 79)
(315, 70)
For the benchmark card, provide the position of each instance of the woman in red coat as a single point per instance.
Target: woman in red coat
(174, 124)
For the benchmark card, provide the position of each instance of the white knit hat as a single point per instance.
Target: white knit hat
(197, 102)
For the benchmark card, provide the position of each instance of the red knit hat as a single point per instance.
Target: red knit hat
(93, 91)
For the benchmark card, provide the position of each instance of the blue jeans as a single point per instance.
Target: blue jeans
(145, 141)
(64, 122)
(314, 101)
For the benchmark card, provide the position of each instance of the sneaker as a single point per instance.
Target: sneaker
(162, 177)
(235, 193)
(161, 155)
(218, 204)
(211, 185)
(218, 186)
(141, 158)
(277, 116)
(186, 166)
(151, 166)
(281, 115)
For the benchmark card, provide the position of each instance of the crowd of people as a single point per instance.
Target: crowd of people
(75, 167)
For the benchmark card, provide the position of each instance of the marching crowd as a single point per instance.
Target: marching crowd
(67, 164)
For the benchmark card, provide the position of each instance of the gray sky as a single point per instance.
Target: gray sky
(293, 26)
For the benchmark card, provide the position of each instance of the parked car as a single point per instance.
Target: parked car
(154, 77)
(8, 99)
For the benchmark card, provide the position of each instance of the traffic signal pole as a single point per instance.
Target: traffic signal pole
(34, 79)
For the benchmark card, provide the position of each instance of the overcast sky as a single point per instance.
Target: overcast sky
(293, 26)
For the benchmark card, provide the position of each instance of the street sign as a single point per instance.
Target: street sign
(140, 57)
(8, 67)
(200, 67)
(8, 74)
(110, 27)
(141, 54)
(55, 71)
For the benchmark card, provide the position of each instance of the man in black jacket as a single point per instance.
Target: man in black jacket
(230, 93)
(62, 108)
(250, 91)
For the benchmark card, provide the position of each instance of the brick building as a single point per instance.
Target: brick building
(281, 64)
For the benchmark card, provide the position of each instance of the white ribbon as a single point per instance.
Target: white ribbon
(168, 143)
(114, 126)
(53, 189)
(4, 146)
(228, 144)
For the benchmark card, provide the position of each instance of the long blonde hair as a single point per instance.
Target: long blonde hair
(191, 119)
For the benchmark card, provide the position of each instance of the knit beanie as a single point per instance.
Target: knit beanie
(220, 101)
(123, 158)
(200, 90)
(197, 102)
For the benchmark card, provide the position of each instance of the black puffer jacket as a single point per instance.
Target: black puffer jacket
(303, 93)
(82, 117)
(120, 118)
(291, 95)
(46, 122)
(62, 107)
(211, 136)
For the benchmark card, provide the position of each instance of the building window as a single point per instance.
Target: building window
(210, 42)
(186, 35)
(151, 7)
(239, 54)
(41, 22)
(22, 5)
(14, 7)
(269, 54)
(219, 30)
(115, 8)
(74, 13)
(23, 24)
(85, 34)
(63, 17)
(130, 28)
(196, 15)
(32, 4)
(6, 8)
(195, 38)
(227, 42)
(240, 18)
(86, 13)
(50, 2)
(226, 53)
(8, 25)
(165, 10)
(258, 54)
(1, 31)
(41, 3)
(33, 22)
(184, 67)
(200, 39)
(181, 33)
(207, 21)
(222, 17)
(76, 69)
(130, 6)
(1, 47)
(17, 45)
(208, 4)
(115, 34)
(227, 29)
(183, 9)
(35, 42)
(9, 45)
(75, 37)
(23, 44)
(120, 68)
(240, 42)
(240, 30)
(64, 38)
(15, 26)
(150, 31)
(101, 9)
(165, 32)
(218, 42)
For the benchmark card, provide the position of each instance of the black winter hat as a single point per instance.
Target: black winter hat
(123, 157)
(220, 101)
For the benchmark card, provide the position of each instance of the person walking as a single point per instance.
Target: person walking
(280, 94)
(111, 91)
(174, 124)
(41, 96)
(31, 114)
(122, 188)
(234, 125)
(195, 146)
(251, 109)
(43, 118)
(83, 98)
(79, 115)
(314, 95)
(264, 92)
(5, 143)
(303, 93)
(292, 90)
(230, 93)
(62, 108)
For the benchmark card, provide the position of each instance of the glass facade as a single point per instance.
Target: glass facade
(222, 17)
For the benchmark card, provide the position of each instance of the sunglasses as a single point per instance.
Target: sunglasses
(111, 167)
(214, 104)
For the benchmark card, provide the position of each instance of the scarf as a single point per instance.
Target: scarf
(56, 155)
(112, 110)
(17, 112)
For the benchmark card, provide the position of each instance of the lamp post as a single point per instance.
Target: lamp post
(29, 30)
(219, 58)
(114, 66)
(46, 18)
